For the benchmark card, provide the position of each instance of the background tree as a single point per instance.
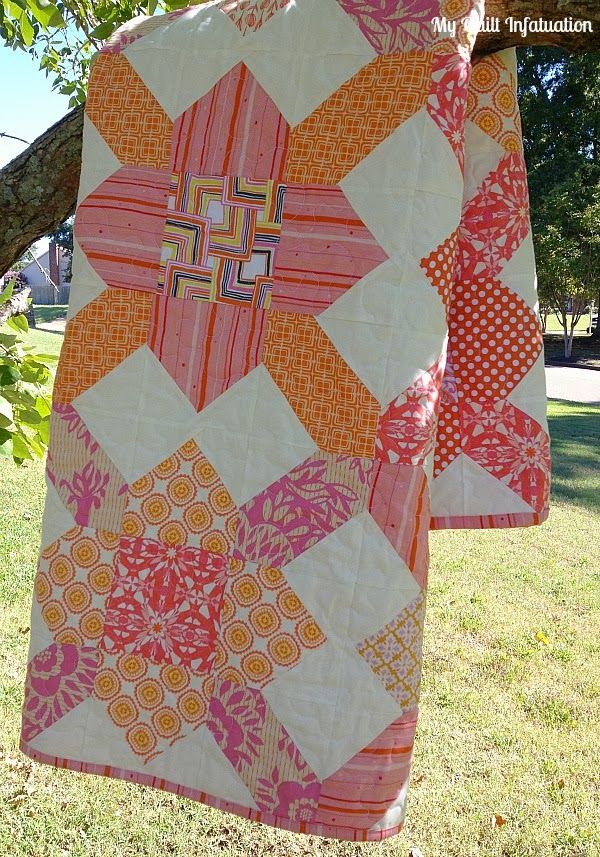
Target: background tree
(559, 96)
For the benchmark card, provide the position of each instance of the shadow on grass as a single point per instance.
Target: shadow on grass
(575, 433)
(45, 313)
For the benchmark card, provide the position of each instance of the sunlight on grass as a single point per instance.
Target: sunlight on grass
(509, 706)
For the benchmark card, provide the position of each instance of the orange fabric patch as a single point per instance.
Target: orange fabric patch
(329, 399)
(492, 103)
(439, 267)
(495, 339)
(99, 337)
(365, 110)
(127, 114)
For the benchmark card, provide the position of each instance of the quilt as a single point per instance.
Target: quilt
(302, 332)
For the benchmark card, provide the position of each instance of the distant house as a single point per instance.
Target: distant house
(53, 265)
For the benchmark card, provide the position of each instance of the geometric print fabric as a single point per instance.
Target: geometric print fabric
(222, 237)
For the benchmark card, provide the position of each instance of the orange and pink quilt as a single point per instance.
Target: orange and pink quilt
(302, 332)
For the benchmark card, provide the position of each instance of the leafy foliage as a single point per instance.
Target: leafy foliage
(25, 377)
(64, 34)
(559, 97)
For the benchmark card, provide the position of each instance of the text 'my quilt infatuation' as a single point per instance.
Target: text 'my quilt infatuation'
(302, 333)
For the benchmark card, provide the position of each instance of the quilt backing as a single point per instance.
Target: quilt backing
(302, 332)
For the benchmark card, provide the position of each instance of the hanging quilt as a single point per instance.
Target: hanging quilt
(302, 332)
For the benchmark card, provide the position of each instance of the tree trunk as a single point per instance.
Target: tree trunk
(38, 190)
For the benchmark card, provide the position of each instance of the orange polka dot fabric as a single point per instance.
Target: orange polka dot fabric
(302, 333)
(496, 339)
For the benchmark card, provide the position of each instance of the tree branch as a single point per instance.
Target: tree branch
(548, 10)
(38, 190)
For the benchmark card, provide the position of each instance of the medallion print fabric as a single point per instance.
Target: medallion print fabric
(302, 333)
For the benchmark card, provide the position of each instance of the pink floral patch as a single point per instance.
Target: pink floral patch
(236, 719)
(85, 478)
(262, 752)
(511, 446)
(447, 102)
(391, 26)
(58, 679)
(165, 603)
(250, 15)
(302, 507)
(406, 430)
(495, 221)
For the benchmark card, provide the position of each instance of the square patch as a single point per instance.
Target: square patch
(220, 238)
(165, 603)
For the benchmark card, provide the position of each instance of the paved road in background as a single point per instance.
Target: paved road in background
(573, 385)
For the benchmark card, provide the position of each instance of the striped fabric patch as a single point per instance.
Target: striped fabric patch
(373, 781)
(206, 347)
(325, 249)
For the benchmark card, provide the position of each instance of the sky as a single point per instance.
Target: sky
(27, 104)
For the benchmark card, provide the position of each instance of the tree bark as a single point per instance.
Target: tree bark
(38, 190)
(548, 10)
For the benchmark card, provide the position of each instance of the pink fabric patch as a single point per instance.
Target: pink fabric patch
(324, 249)
(406, 432)
(85, 478)
(399, 503)
(120, 227)
(262, 752)
(235, 129)
(447, 102)
(511, 446)
(165, 603)
(495, 221)
(206, 347)
(391, 26)
(301, 508)
(58, 679)
(362, 790)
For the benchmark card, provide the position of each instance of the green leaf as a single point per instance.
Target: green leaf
(18, 322)
(6, 442)
(42, 406)
(34, 372)
(9, 375)
(44, 431)
(46, 13)
(47, 358)
(6, 294)
(29, 417)
(27, 31)
(102, 31)
(21, 447)
(36, 447)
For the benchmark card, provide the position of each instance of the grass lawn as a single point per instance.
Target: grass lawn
(508, 724)
(553, 325)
